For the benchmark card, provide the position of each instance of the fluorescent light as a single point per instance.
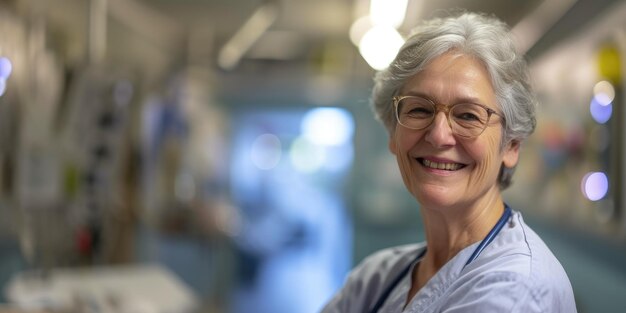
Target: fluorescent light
(380, 45)
(247, 35)
(359, 28)
(388, 12)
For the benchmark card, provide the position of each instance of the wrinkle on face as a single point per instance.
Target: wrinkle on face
(449, 79)
(404, 164)
(483, 171)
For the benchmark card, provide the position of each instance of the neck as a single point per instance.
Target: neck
(450, 230)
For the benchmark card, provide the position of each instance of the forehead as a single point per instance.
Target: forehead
(450, 77)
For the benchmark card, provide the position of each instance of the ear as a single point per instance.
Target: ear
(511, 154)
(392, 144)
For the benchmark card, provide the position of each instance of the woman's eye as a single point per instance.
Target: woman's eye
(468, 117)
(419, 112)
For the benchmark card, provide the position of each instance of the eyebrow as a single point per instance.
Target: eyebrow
(467, 99)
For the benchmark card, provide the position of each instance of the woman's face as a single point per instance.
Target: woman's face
(471, 165)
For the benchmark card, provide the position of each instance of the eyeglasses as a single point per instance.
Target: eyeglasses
(467, 120)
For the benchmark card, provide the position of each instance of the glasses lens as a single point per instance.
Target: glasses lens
(469, 119)
(466, 119)
(415, 112)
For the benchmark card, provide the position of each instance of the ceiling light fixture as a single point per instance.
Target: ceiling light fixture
(376, 34)
(260, 21)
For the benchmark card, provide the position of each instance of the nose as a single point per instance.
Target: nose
(439, 133)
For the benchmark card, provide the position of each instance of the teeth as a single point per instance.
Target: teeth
(441, 166)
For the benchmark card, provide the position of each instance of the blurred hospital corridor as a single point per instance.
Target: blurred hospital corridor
(183, 156)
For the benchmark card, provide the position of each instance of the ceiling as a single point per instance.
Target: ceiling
(306, 35)
(167, 24)
(304, 25)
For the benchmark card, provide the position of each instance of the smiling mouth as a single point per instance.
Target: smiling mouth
(441, 166)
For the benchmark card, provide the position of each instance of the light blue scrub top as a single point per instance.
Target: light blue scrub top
(515, 273)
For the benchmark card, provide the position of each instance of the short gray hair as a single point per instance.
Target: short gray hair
(483, 37)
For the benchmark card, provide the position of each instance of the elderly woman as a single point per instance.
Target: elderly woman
(457, 104)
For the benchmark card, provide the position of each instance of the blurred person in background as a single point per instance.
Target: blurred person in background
(457, 104)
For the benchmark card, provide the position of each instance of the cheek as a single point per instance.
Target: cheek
(406, 171)
(487, 157)
(404, 141)
(403, 144)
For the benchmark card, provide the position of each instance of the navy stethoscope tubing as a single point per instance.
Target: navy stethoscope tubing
(481, 246)
(491, 235)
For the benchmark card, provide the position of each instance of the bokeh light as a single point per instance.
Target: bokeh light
(266, 151)
(595, 185)
(6, 67)
(3, 86)
(328, 126)
(305, 156)
(600, 113)
(604, 92)
(339, 158)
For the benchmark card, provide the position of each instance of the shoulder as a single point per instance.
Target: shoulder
(549, 284)
(494, 291)
(518, 249)
(367, 281)
(509, 291)
(518, 273)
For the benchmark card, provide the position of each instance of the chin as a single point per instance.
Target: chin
(436, 196)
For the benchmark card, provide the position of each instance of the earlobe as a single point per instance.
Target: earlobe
(511, 154)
